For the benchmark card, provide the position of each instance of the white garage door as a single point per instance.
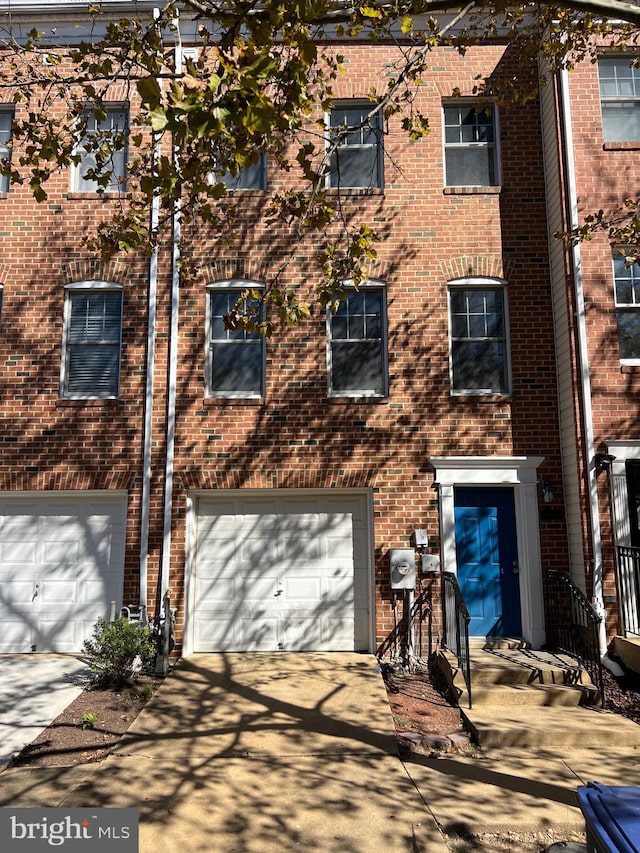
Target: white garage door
(281, 572)
(61, 564)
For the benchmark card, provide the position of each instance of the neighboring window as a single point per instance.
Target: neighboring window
(470, 146)
(357, 343)
(91, 174)
(479, 345)
(253, 177)
(627, 297)
(619, 99)
(357, 162)
(235, 359)
(632, 470)
(6, 121)
(92, 340)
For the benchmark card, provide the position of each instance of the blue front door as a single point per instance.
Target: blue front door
(487, 560)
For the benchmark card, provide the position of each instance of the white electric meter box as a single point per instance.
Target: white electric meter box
(403, 568)
(430, 564)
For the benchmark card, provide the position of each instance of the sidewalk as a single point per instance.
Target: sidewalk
(244, 753)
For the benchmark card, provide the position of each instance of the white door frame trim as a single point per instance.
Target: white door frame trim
(521, 472)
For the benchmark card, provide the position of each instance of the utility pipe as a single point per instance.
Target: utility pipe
(584, 373)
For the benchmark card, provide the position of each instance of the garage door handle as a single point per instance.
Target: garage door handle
(35, 594)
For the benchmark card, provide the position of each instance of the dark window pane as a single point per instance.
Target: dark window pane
(629, 333)
(358, 366)
(479, 366)
(471, 167)
(237, 368)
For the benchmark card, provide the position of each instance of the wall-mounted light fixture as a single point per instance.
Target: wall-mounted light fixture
(604, 460)
(548, 491)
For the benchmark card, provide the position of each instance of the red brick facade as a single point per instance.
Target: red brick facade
(297, 436)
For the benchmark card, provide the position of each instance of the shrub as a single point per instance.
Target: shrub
(118, 651)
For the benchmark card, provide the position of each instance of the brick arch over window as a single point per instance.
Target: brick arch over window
(94, 269)
(237, 268)
(4, 273)
(476, 266)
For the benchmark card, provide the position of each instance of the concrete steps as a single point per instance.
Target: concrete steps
(528, 699)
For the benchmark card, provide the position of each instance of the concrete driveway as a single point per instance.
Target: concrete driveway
(34, 689)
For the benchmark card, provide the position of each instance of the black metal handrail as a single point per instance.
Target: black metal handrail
(628, 583)
(573, 626)
(456, 626)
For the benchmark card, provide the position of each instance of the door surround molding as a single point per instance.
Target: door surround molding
(521, 473)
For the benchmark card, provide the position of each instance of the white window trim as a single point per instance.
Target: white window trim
(624, 306)
(618, 99)
(230, 284)
(75, 172)
(373, 284)
(7, 109)
(80, 286)
(481, 283)
(467, 145)
(379, 146)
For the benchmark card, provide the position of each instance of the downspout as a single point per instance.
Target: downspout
(148, 397)
(172, 372)
(583, 369)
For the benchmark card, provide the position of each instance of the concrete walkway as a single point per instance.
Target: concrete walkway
(243, 753)
(264, 753)
(34, 689)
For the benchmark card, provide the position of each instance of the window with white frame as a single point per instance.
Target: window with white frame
(92, 340)
(235, 358)
(478, 337)
(6, 122)
(253, 177)
(357, 342)
(357, 161)
(470, 145)
(627, 300)
(102, 150)
(619, 98)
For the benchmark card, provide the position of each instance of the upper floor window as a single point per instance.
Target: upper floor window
(102, 149)
(253, 177)
(470, 145)
(627, 296)
(6, 122)
(357, 161)
(235, 358)
(357, 343)
(92, 340)
(479, 343)
(619, 99)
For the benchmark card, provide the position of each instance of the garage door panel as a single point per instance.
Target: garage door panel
(21, 552)
(16, 594)
(73, 548)
(294, 558)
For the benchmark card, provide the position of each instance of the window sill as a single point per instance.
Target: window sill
(629, 366)
(483, 397)
(375, 191)
(105, 196)
(63, 402)
(217, 402)
(4, 195)
(472, 190)
(633, 145)
(378, 399)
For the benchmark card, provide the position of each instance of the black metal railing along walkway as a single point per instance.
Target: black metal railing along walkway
(628, 582)
(456, 626)
(573, 626)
